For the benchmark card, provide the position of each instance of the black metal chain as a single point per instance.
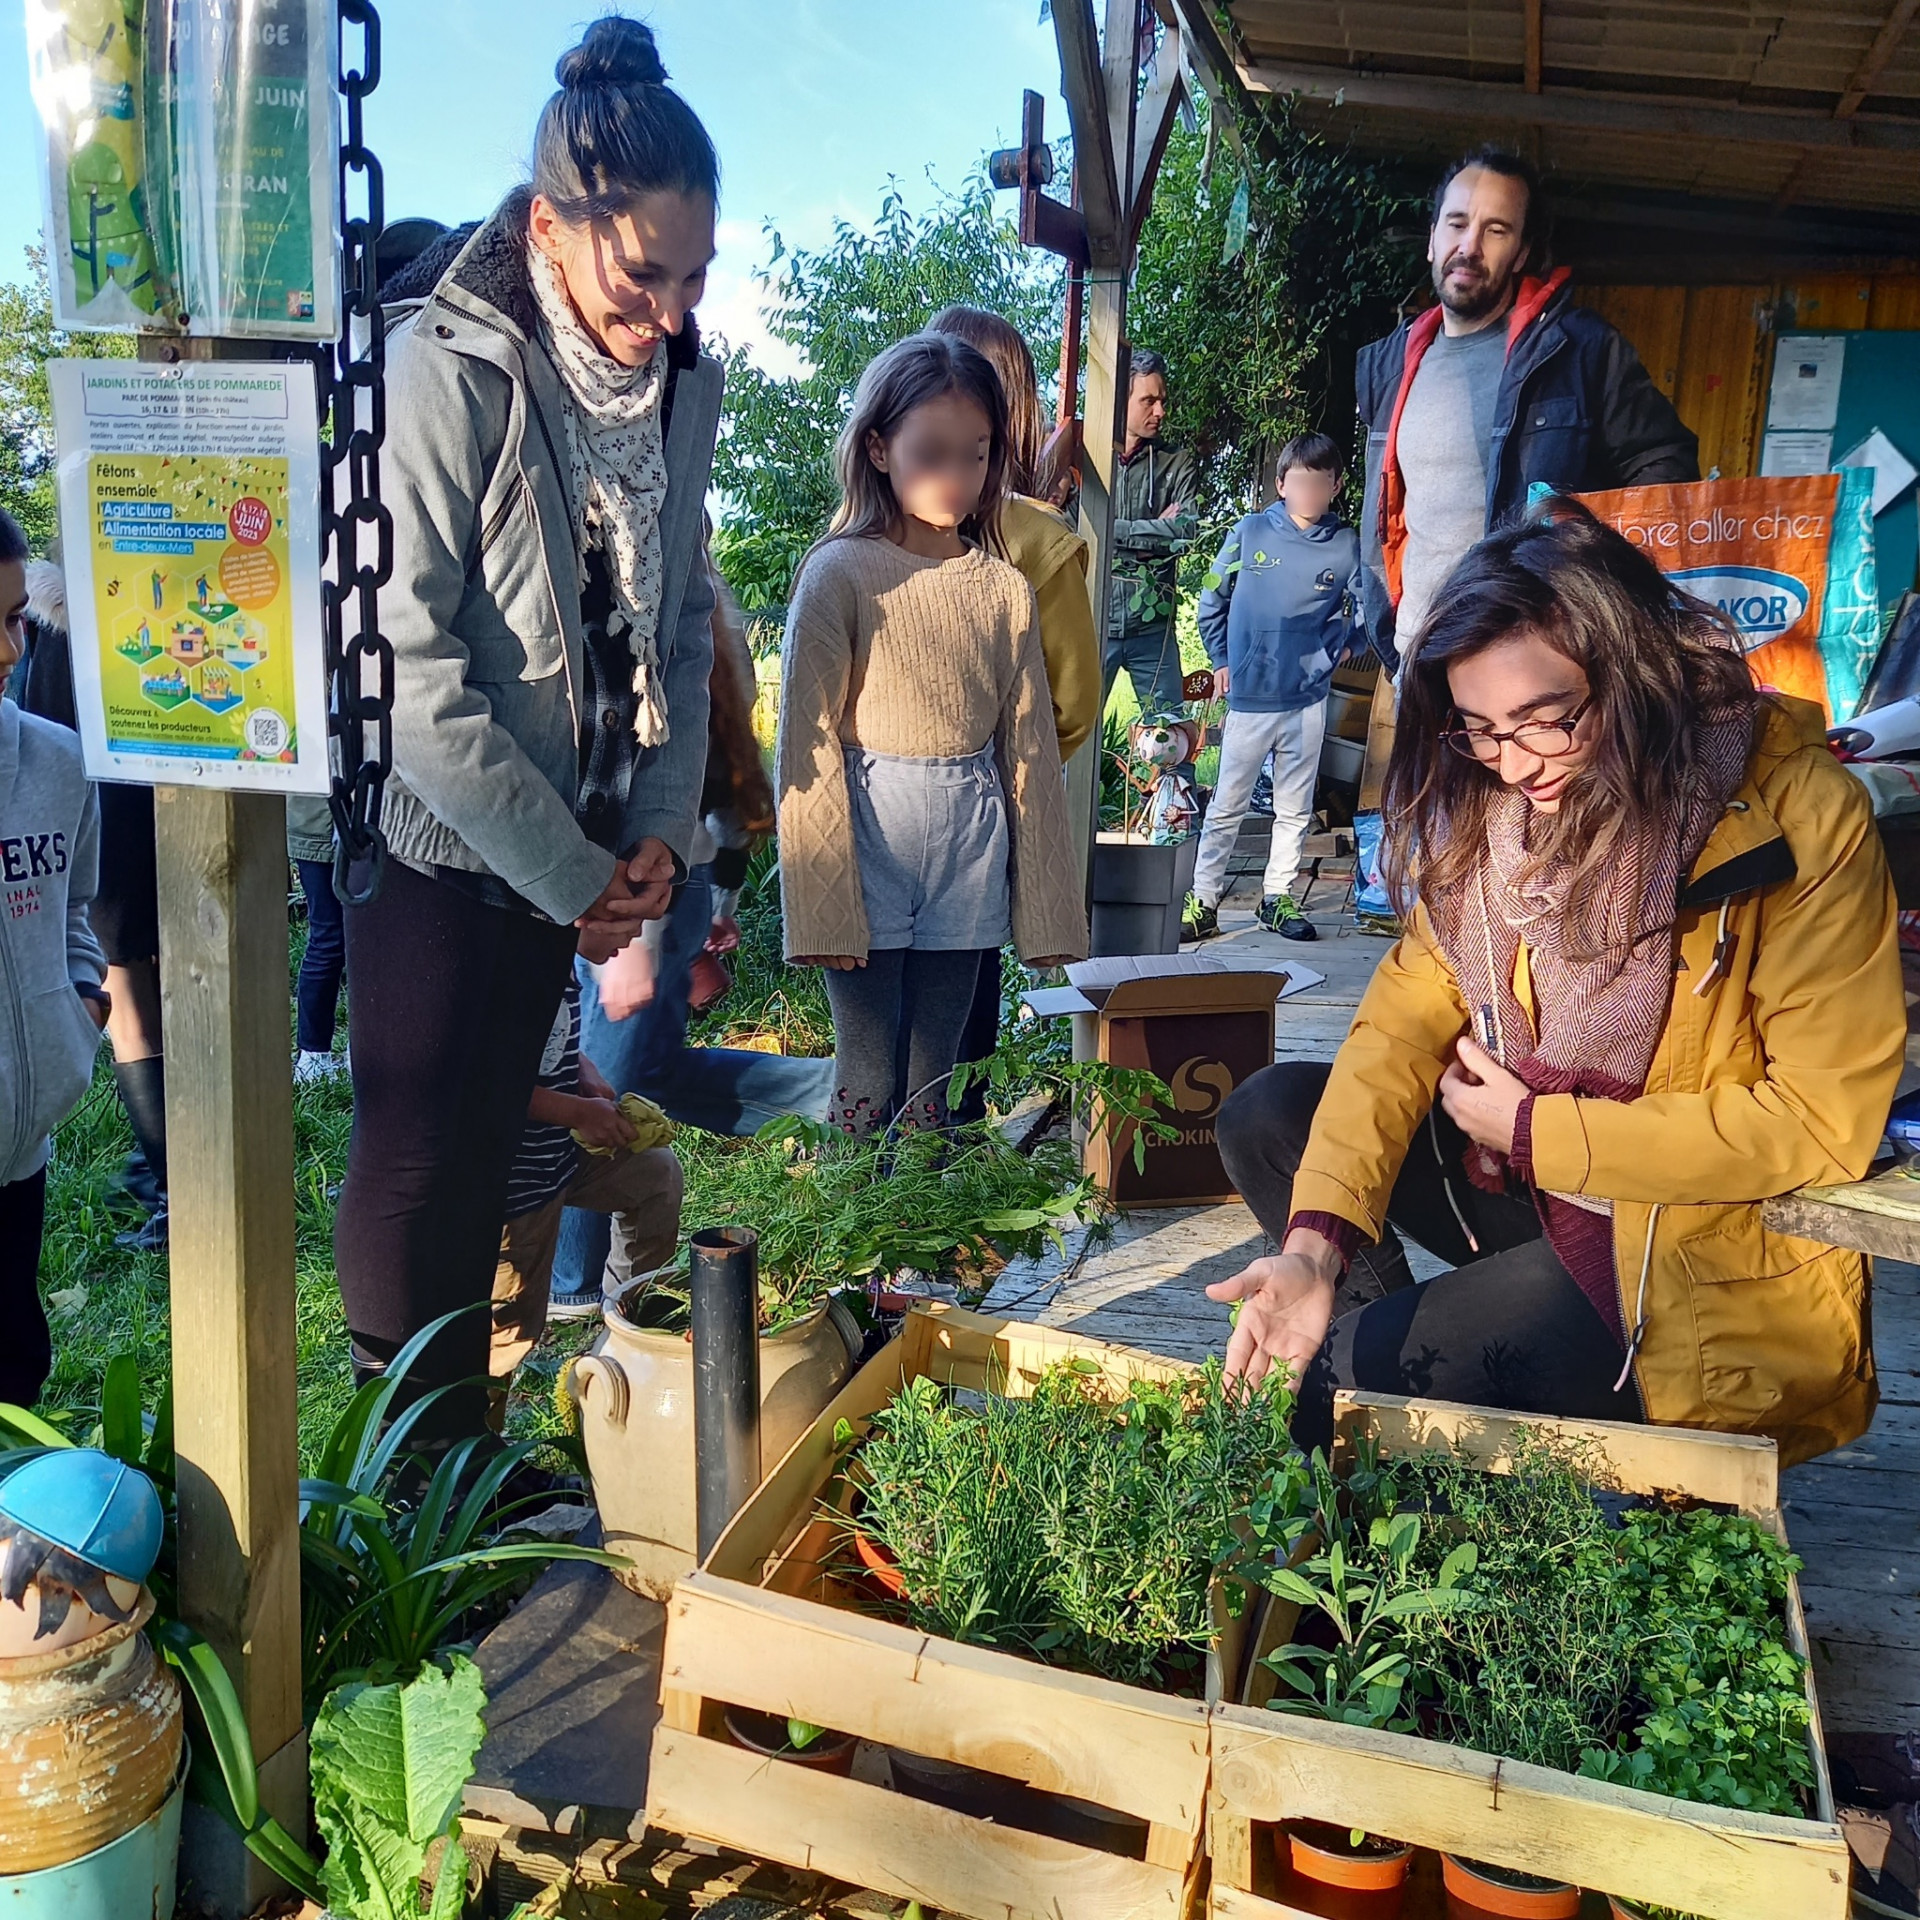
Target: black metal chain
(357, 393)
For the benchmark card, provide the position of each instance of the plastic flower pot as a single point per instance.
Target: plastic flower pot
(1511, 1895)
(883, 1570)
(766, 1733)
(1327, 1854)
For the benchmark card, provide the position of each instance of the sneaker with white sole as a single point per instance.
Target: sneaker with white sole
(311, 1069)
(1280, 913)
(574, 1306)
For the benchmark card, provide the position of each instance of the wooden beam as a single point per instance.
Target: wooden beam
(222, 860)
(1886, 43)
(1120, 81)
(1532, 11)
(1084, 85)
(1159, 108)
(1483, 100)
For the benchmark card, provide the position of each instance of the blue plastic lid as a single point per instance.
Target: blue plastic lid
(100, 1510)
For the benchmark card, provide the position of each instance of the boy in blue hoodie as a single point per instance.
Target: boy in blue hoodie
(51, 968)
(1283, 608)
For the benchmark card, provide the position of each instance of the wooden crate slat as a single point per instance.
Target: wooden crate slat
(1232, 1903)
(1710, 1861)
(1732, 1469)
(1061, 1732)
(898, 1846)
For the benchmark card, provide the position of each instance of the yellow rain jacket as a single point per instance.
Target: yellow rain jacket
(1774, 1071)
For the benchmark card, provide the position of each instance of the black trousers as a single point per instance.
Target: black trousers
(26, 1348)
(1509, 1327)
(316, 993)
(450, 1002)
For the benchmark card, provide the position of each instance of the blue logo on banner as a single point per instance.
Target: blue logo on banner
(1760, 603)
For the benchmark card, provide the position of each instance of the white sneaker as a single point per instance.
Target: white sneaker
(315, 1069)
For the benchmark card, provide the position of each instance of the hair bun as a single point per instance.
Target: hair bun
(615, 52)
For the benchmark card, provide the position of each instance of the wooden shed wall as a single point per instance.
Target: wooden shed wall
(1710, 349)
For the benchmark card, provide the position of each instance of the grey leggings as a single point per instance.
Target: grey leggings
(896, 1034)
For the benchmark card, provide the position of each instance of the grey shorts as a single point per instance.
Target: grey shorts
(930, 837)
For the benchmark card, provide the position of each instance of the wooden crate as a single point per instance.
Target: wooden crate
(1709, 1861)
(765, 1624)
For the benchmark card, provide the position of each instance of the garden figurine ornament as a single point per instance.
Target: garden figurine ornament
(1160, 746)
(79, 1532)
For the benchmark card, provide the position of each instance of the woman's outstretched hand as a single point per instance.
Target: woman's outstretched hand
(1286, 1307)
(1481, 1097)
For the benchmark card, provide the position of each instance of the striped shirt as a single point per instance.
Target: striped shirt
(548, 1155)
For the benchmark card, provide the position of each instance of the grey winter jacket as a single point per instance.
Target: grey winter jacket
(484, 606)
(1146, 548)
(49, 864)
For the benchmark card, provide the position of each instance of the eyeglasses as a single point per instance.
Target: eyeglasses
(1544, 739)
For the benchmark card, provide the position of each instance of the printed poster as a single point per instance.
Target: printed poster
(1788, 559)
(190, 518)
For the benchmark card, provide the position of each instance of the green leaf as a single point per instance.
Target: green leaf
(801, 1734)
(1291, 1586)
(389, 1765)
(33, 1431)
(121, 1432)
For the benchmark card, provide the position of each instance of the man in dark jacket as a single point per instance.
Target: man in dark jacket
(1153, 521)
(1504, 382)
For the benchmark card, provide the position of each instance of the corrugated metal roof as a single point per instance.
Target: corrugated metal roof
(1771, 81)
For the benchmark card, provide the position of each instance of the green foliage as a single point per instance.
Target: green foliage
(386, 1585)
(28, 340)
(1361, 1581)
(1727, 1715)
(1246, 330)
(832, 1211)
(389, 1765)
(1082, 1532)
(1543, 1671)
(839, 306)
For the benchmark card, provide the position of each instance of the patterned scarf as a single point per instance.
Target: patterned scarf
(1602, 986)
(619, 481)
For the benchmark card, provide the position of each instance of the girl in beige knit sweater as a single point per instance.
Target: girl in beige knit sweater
(922, 811)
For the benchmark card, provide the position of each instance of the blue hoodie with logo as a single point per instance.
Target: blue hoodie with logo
(1284, 607)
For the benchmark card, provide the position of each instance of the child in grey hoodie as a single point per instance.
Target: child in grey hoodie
(51, 968)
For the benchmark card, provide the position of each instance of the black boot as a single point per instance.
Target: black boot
(143, 1092)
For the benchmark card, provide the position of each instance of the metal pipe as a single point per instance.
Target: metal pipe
(725, 1274)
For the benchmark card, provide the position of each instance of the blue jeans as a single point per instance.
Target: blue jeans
(718, 1089)
(325, 963)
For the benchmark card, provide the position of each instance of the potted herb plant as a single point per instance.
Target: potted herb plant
(1359, 1587)
(832, 1215)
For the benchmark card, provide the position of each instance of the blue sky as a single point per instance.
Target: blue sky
(812, 104)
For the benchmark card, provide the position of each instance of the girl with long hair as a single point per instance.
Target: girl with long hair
(1053, 558)
(922, 812)
(550, 435)
(1649, 979)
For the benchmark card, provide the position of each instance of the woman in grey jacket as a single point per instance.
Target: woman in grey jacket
(550, 434)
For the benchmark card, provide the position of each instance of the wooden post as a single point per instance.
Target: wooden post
(1114, 171)
(222, 861)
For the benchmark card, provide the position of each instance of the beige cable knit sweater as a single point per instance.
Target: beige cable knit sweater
(928, 659)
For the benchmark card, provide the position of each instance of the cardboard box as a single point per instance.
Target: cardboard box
(1203, 1025)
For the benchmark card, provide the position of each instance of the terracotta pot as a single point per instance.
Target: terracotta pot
(1476, 1888)
(766, 1733)
(882, 1568)
(635, 1395)
(1315, 1856)
(89, 1745)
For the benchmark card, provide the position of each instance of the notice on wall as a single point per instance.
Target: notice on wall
(1807, 370)
(190, 516)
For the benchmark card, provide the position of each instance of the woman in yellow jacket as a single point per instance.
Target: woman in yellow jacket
(1054, 560)
(1652, 980)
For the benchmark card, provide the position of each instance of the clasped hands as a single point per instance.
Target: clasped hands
(639, 890)
(1286, 1299)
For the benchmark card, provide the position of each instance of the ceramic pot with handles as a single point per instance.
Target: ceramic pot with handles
(90, 1739)
(634, 1390)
